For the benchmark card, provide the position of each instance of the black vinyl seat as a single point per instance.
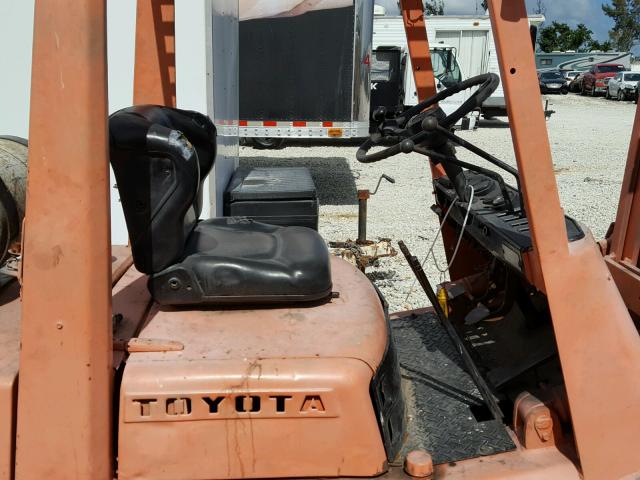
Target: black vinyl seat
(160, 157)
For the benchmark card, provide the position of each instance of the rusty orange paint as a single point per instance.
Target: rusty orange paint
(155, 67)
(627, 278)
(10, 310)
(625, 240)
(418, 43)
(121, 260)
(624, 243)
(521, 464)
(311, 354)
(598, 344)
(64, 426)
(416, 32)
(535, 424)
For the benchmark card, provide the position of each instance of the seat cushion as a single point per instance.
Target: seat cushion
(236, 260)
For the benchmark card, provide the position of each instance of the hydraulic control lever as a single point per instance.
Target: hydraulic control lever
(363, 197)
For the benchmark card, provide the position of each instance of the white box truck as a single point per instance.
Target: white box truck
(470, 37)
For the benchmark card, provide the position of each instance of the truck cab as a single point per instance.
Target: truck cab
(393, 88)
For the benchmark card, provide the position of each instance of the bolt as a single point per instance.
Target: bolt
(174, 283)
(419, 464)
(543, 425)
(59, 325)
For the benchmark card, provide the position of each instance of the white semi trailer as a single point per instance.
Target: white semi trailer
(304, 74)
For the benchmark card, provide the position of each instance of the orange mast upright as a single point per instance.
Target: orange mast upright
(598, 344)
(64, 427)
(155, 66)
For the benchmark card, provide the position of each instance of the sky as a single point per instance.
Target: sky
(572, 12)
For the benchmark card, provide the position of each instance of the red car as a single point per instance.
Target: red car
(595, 80)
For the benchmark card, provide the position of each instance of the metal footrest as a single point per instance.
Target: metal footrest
(445, 412)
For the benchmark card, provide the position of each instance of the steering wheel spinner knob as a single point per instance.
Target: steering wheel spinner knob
(406, 146)
(429, 124)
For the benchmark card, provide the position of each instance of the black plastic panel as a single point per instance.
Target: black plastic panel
(387, 397)
(505, 234)
(279, 196)
(387, 79)
(288, 63)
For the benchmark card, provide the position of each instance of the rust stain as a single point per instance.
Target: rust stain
(294, 316)
(50, 260)
(56, 254)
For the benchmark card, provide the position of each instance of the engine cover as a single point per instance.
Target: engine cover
(273, 392)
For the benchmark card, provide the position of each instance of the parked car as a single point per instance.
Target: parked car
(552, 82)
(622, 86)
(635, 95)
(595, 80)
(570, 76)
(576, 84)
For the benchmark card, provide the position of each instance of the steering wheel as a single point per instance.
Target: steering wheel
(402, 127)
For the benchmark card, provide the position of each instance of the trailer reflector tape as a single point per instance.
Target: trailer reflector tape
(295, 123)
(302, 129)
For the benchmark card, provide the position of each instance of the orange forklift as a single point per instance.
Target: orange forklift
(227, 348)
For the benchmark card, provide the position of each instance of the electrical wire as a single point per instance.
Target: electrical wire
(443, 271)
(455, 251)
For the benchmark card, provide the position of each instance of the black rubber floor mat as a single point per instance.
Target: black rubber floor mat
(445, 412)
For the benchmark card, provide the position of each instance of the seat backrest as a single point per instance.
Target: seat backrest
(160, 157)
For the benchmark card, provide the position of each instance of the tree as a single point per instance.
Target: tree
(626, 23)
(434, 7)
(602, 46)
(540, 8)
(560, 36)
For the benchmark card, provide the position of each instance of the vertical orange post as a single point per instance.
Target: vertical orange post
(65, 388)
(598, 344)
(416, 31)
(155, 67)
(623, 256)
(625, 240)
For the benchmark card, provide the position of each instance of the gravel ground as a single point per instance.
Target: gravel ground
(589, 140)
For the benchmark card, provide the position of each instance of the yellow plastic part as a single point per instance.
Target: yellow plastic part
(443, 301)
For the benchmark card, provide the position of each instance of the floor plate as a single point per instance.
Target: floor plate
(446, 413)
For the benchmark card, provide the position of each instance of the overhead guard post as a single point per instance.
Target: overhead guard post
(65, 398)
(598, 344)
(155, 66)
